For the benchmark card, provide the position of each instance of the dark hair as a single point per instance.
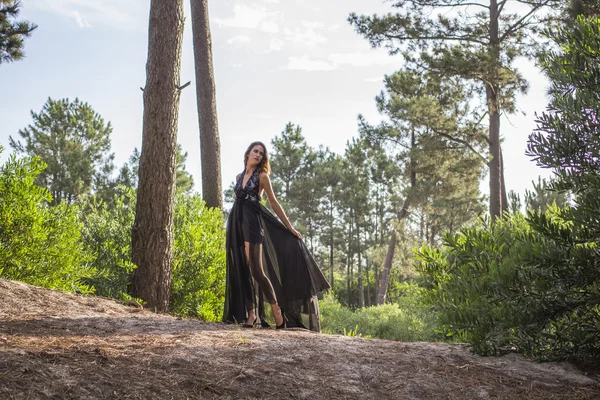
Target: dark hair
(264, 165)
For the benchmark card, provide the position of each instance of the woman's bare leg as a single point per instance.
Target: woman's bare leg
(254, 256)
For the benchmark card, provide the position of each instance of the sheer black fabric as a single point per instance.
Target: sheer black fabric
(294, 275)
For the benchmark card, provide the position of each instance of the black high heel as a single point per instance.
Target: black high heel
(250, 325)
(282, 326)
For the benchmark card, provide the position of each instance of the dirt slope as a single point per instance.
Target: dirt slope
(62, 346)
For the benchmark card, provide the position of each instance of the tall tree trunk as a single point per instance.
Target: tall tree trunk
(387, 267)
(331, 245)
(152, 235)
(492, 93)
(377, 279)
(503, 184)
(385, 274)
(349, 257)
(210, 146)
(368, 283)
(361, 285)
(348, 297)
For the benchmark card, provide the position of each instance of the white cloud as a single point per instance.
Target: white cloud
(81, 20)
(252, 18)
(122, 13)
(363, 59)
(380, 79)
(276, 45)
(269, 26)
(305, 64)
(238, 39)
(306, 34)
(336, 60)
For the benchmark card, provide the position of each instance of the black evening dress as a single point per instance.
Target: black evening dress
(295, 277)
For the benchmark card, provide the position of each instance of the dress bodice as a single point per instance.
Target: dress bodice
(250, 190)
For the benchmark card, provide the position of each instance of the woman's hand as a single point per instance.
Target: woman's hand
(296, 233)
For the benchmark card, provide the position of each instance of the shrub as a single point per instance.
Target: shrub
(39, 245)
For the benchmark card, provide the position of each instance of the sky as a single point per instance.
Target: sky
(275, 61)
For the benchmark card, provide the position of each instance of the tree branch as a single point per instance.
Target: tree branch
(456, 38)
(463, 142)
(459, 4)
(516, 26)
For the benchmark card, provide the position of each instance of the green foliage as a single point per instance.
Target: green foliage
(12, 32)
(198, 281)
(73, 140)
(429, 134)
(107, 238)
(532, 283)
(464, 44)
(477, 283)
(517, 285)
(407, 320)
(541, 197)
(198, 276)
(39, 245)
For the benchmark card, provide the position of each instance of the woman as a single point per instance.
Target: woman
(263, 249)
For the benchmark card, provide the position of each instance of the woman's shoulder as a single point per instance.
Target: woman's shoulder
(263, 175)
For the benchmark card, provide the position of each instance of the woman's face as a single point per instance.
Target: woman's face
(256, 155)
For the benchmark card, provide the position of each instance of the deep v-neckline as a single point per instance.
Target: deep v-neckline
(246, 184)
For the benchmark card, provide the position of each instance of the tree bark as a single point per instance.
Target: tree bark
(368, 301)
(331, 246)
(492, 92)
(387, 267)
(385, 274)
(210, 145)
(361, 285)
(152, 235)
(503, 185)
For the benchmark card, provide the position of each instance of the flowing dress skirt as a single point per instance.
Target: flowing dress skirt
(291, 268)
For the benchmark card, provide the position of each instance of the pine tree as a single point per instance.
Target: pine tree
(210, 145)
(427, 118)
(476, 43)
(288, 154)
(74, 141)
(152, 234)
(12, 32)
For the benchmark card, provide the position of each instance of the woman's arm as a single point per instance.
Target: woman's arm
(265, 183)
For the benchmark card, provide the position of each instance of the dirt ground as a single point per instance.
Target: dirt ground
(55, 345)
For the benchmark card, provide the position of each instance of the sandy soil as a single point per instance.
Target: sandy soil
(62, 346)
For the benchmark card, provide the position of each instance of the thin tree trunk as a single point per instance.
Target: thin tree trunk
(492, 92)
(361, 285)
(387, 267)
(385, 274)
(377, 279)
(348, 279)
(331, 246)
(368, 283)
(210, 146)
(503, 184)
(152, 235)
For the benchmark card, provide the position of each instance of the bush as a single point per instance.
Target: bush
(523, 284)
(39, 245)
(478, 281)
(408, 320)
(107, 238)
(198, 280)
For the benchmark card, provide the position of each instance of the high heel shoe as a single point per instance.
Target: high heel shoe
(282, 326)
(249, 325)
